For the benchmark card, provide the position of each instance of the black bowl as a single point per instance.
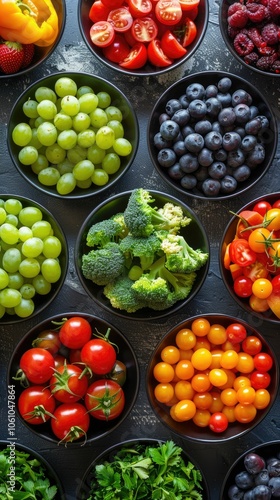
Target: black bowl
(98, 84)
(85, 24)
(229, 42)
(16, 449)
(108, 455)
(98, 428)
(41, 301)
(227, 237)
(188, 430)
(41, 54)
(208, 78)
(197, 238)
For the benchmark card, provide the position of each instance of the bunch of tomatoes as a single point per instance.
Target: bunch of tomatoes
(134, 32)
(213, 375)
(253, 257)
(70, 374)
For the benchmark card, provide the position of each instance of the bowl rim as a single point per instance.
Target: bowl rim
(84, 193)
(175, 65)
(136, 368)
(216, 75)
(53, 47)
(218, 437)
(135, 316)
(8, 320)
(268, 316)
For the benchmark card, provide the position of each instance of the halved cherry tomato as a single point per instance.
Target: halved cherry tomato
(171, 46)
(118, 50)
(156, 55)
(102, 33)
(144, 29)
(168, 11)
(189, 4)
(98, 12)
(189, 32)
(120, 18)
(262, 207)
(256, 270)
(136, 58)
(241, 253)
(113, 4)
(140, 8)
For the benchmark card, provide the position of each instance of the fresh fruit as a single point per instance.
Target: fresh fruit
(28, 51)
(11, 57)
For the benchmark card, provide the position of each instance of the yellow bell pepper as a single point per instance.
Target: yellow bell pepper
(28, 21)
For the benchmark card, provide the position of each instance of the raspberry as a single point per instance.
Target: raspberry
(239, 18)
(270, 33)
(265, 63)
(251, 59)
(276, 66)
(242, 44)
(232, 32)
(256, 12)
(255, 36)
(274, 7)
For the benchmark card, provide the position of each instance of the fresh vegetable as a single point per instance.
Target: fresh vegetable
(31, 477)
(103, 265)
(105, 399)
(180, 257)
(70, 422)
(146, 471)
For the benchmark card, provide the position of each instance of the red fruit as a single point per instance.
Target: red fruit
(11, 57)
(237, 15)
(274, 303)
(28, 53)
(274, 7)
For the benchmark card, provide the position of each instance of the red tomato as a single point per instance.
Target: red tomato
(36, 404)
(276, 283)
(120, 18)
(102, 33)
(99, 355)
(118, 50)
(113, 4)
(168, 11)
(260, 380)
(37, 365)
(274, 303)
(276, 204)
(252, 345)
(139, 8)
(193, 13)
(218, 422)
(263, 362)
(144, 29)
(105, 399)
(71, 421)
(68, 384)
(75, 332)
(243, 286)
(236, 333)
(48, 340)
(189, 4)
(156, 55)
(98, 12)
(241, 253)
(171, 46)
(59, 360)
(136, 58)
(189, 31)
(262, 207)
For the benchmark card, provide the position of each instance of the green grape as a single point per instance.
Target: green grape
(52, 247)
(25, 308)
(114, 113)
(55, 153)
(62, 121)
(3, 215)
(70, 105)
(65, 86)
(29, 108)
(83, 170)
(49, 176)
(39, 164)
(41, 229)
(27, 291)
(51, 270)
(122, 146)
(41, 285)
(34, 139)
(117, 127)
(2, 202)
(43, 93)
(28, 155)
(47, 133)
(99, 177)
(9, 233)
(76, 154)
(4, 278)
(105, 137)
(29, 215)
(10, 297)
(22, 134)
(65, 166)
(86, 138)
(98, 118)
(24, 233)
(38, 121)
(84, 89)
(84, 184)
(88, 102)
(16, 280)
(95, 154)
(2, 311)
(81, 121)
(29, 267)
(47, 109)
(32, 247)
(12, 219)
(12, 206)
(104, 99)
(111, 163)
(11, 260)
(67, 139)
(66, 183)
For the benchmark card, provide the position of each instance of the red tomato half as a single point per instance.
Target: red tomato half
(102, 33)
(113, 4)
(136, 58)
(241, 253)
(168, 11)
(189, 4)
(156, 55)
(189, 32)
(171, 46)
(144, 29)
(118, 50)
(140, 8)
(98, 12)
(105, 399)
(120, 18)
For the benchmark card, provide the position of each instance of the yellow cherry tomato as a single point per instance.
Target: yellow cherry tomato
(262, 288)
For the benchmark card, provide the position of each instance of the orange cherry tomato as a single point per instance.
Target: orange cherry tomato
(259, 239)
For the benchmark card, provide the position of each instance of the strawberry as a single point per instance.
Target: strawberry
(11, 57)
(28, 51)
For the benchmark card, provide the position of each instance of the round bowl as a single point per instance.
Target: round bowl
(41, 54)
(196, 237)
(201, 22)
(98, 428)
(188, 429)
(41, 301)
(255, 61)
(266, 451)
(42, 466)
(109, 454)
(267, 138)
(129, 122)
(227, 276)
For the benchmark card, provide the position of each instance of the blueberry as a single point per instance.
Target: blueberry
(163, 117)
(226, 117)
(248, 143)
(189, 181)
(213, 106)
(201, 173)
(262, 492)
(203, 127)
(175, 172)
(195, 91)
(225, 99)
(169, 130)
(228, 184)
(241, 173)
(262, 477)
(181, 116)
(211, 91)
(256, 156)
(205, 157)
(254, 111)
(197, 109)
(273, 468)
(265, 121)
(224, 84)
(220, 155)
(188, 163)
(213, 140)
(240, 131)
(249, 495)
(184, 101)
(242, 113)
(172, 105)
(186, 130)
(160, 142)
(194, 142)
(216, 127)
(253, 126)
(166, 157)
(231, 141)
(211, 187)
(235, 158)
(234, 493)
(179, 148)
(217, 170)
(241, 96)
(274, 484)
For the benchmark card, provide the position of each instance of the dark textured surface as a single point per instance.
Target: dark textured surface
(73, 55)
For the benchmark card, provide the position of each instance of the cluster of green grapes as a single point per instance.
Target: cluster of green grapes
(29, 257)
(74, 136)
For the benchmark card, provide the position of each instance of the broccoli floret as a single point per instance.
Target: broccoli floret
(180, 256)
(121, 296)
(103, 232)
(174, 213)
(145, 248)
(103, 265)
(119, 218)
(142, 219)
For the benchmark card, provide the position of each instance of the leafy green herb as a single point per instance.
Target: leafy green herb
(156, 472)
(23, 477)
